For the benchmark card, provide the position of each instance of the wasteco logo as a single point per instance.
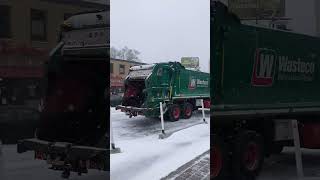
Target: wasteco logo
(192, 84)
(264, 66)
(290, 69)
(198, 83)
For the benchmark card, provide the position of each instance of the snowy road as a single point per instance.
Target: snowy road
(15, 166)
(283, 167)
(126, 128)
(144, 156)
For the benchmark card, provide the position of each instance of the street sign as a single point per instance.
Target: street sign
(190, 62)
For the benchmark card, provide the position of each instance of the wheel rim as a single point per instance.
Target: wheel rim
(188, 111)
(216, 163)
(251, 156)
(176, 112)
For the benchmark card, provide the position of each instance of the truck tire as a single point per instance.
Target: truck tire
(187, 110)
(219, 163)
(247, 155)
(174, 112)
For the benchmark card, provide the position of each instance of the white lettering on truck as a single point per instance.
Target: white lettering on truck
(299, 66)
(268, 64)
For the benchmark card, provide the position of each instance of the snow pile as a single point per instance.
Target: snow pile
(144, 156)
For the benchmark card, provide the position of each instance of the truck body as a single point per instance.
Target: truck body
(180, 90)
(261, 80)
(72, 135)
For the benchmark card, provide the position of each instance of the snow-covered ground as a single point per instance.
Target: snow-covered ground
(145, 156)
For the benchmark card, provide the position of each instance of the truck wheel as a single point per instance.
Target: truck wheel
(248, 155)
(174, 112)
(219, 160)
(187, 110)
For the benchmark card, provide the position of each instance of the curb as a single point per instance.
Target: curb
(181, 172)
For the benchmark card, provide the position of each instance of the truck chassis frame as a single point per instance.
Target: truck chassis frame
(66, 157)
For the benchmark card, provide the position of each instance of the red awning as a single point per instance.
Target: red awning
(8, 48)
(21, 72)
(116, 81)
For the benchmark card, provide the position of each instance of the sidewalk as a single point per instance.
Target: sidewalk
(196, 169)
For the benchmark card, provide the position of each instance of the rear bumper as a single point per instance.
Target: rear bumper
(133, 111)
(32, 144)
(71, 151)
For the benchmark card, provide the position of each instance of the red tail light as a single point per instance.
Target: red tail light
(206, 103)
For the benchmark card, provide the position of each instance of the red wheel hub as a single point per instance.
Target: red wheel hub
(176, 112)
(216, 163)
(251, 156)
(188, 111)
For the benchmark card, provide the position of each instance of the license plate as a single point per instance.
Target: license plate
(56, 162)
(86, 38)
(198, 102)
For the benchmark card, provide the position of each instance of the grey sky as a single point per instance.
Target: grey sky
(163, 30)
(302, 15)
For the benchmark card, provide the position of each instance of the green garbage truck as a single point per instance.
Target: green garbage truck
(261, 80)
(179, 89)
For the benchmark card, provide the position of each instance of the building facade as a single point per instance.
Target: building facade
(119, 69)
(28, 31)
(297, 16)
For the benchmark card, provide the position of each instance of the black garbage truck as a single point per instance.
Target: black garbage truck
(73, 130)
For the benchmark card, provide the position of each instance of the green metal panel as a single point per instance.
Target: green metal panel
(191, 84)
(258, 68)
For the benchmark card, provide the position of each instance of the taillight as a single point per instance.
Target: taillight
(206, 103)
